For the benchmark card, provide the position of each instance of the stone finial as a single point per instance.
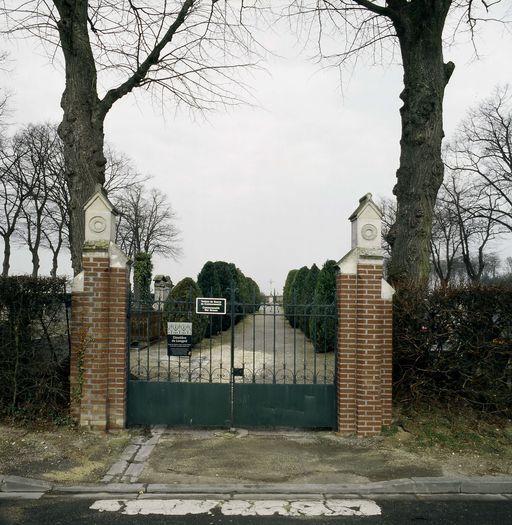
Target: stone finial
(100, 218)
(366, 224)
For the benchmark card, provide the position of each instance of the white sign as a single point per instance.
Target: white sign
(179, 328)
(210, 305)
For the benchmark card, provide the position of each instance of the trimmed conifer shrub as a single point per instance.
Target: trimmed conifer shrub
(180, 306)
(322, 324)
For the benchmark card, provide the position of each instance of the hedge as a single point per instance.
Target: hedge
(455, 344)
(34, 345)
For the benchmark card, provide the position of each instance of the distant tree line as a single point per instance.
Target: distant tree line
(35, 202)
(216, 279)
(309, 297)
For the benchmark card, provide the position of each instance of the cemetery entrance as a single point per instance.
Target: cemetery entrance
(262, 363)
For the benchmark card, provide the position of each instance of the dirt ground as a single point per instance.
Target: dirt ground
(58, 453)
(209, 456)
(431, 442)
(463, 441)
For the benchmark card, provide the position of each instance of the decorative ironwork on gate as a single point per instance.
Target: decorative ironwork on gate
(260, 342)
(263, 363)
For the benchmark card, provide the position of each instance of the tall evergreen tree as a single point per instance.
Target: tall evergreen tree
(209, 284)
(307, 298)
(296, 296)
(180, 306)
(142, 271)
(322, 324)
(287, 294)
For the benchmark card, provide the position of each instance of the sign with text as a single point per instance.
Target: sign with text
(210, 305)
(179, 339)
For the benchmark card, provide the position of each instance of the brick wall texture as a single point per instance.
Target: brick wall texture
(364, 352)
(98, 345)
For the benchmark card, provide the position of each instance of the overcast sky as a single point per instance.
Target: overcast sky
(268, 187)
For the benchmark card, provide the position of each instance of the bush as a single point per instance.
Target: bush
(322, 324)
(455, 344)
(288, 299)
(293, 308)
(215, 280)
(34, 349)
(142, 270)
(307, 298)
(180, 306)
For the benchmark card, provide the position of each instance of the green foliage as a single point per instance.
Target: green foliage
(208, 280)
(142, 271)
(296, 308)
(180, 306)
(307, 297)
(455, 343)
(322, 324)
(288, 299)
(209, 284)
(309, 302)
(216, 279)
(34, 351)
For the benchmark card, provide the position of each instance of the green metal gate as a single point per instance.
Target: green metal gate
(263, 363)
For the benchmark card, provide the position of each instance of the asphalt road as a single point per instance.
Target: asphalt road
(67, 510)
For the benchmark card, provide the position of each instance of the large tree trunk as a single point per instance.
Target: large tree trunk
(419, 29)
(81, 129)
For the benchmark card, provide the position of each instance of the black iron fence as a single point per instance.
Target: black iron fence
(258, 342)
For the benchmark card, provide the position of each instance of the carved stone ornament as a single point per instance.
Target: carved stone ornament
(369, 232)
(97, 224)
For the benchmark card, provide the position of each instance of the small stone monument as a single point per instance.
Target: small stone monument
(163, 286)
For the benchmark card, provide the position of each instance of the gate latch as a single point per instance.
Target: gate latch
(238, 372)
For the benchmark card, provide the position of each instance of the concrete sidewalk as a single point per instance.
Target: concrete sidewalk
(194, 463)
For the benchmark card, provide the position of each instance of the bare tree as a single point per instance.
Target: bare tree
(508, 265)
(41, 218)
(12, 197)
(482, 148)
(38, 172)
(3, 102)
(56, 215)
(388, 207)
(146, 223)
(190, 49)
(445, 242)
(470, 227)
(120, 172)
(461, 233)
(416, 27)
(120, 175)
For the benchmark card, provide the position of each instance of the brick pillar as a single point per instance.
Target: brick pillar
(346, 366)
(364, 302)
(98, 325)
